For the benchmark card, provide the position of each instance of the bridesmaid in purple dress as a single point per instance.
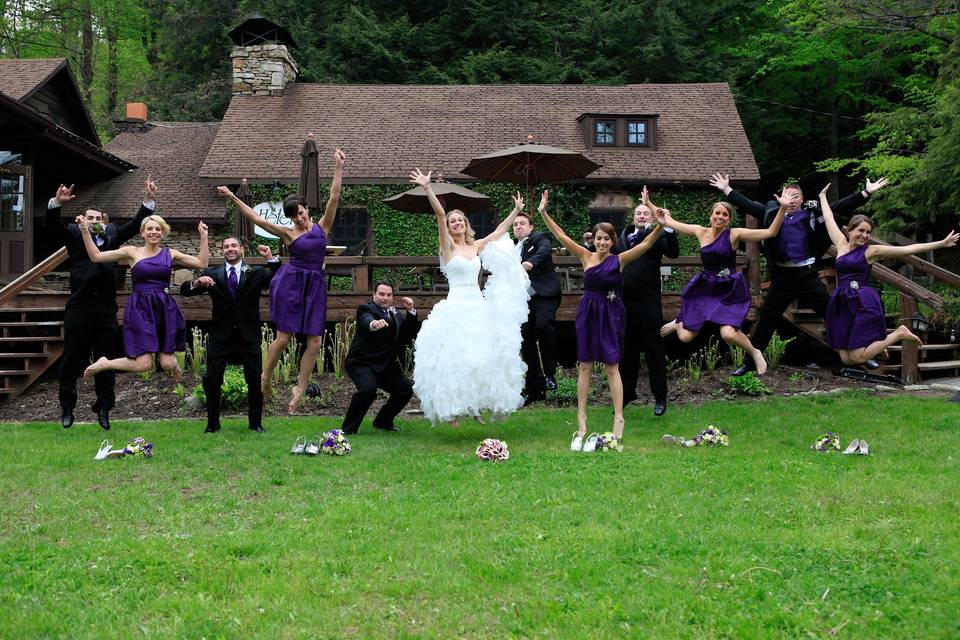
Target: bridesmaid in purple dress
(719, 294)
(601, 316)
(298, 292)
(856, 328)
(152, 321)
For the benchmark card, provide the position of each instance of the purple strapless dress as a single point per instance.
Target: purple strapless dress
(152, 321)
(855, 316)
(601, 317)
(718, 294)
(298, 291)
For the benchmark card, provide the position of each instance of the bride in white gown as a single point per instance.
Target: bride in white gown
(467, 354)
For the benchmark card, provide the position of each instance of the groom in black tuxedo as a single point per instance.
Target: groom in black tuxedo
(539, 340)
(234, 288)
(372, 361)
(90, 316)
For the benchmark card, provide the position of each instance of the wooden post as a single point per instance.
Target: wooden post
(361, 276)
(909, 353)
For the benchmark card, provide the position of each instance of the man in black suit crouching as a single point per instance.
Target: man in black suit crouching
(641, 297)
(234, 288)
(539, 340)
(90, 316)
(372, 362)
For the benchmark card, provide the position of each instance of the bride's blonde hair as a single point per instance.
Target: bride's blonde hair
(469, 235)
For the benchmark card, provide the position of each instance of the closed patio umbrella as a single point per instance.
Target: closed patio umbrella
(244, 228)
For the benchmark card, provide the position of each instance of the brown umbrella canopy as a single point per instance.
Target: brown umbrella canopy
(530, 164)
(244, 228)
(310, 174)
(451, 196)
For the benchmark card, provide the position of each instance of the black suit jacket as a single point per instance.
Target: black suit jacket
(379, 349)
(818, 236)
(93, 286)
(241, 312)
(641, 278)
(538, 251)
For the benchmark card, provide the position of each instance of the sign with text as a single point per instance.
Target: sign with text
(271, 212)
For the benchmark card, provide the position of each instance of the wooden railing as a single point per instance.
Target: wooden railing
(27, 279)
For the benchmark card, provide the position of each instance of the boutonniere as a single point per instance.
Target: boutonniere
(96, 228)
(244, 268)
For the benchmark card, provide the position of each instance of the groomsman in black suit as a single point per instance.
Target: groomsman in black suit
(234, 288)
(372, 361)
(90, 316)
(539, 339)
(641, 297)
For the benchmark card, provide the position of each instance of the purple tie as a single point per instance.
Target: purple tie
(232, 282)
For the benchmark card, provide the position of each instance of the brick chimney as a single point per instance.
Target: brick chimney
(136, 120)
(260, 59)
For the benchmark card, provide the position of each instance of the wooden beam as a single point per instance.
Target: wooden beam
(28, 278)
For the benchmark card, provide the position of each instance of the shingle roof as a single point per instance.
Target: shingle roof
(172, 153)
(387, 129)
(18, 77)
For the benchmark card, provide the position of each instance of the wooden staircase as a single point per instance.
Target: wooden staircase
(31, 340)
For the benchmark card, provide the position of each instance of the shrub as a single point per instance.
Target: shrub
(748, 384)
(234, 391)
(775, 350)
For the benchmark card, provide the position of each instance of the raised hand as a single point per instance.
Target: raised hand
(645, 197)
(544, 197)
(339, 158)
(64, 194)
(823, 192)
(875, 186)
(420, 178)
(407, 303)
(518, 202)
(150, 189)
(265, 251)
(720, 181)
(951, 239)
(81, 222)
(661, 215)
(202, 228)
(224, 192)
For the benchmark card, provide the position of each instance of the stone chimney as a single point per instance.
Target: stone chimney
(261, 61)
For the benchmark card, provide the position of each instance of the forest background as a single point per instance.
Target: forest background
(843, 87)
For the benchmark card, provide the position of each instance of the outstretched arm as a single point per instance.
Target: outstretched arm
(123, 254)
(148, 206)
(742, 234)
(51, 223)
(575, 248)
(199, 261)
(877, 251)
(504, 225)
(631, 254)
(423, 179)
(281, 232)
(740, 201)
(664, 218)
(836, 234)
(330, 213)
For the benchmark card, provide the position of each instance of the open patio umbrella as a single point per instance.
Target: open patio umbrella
(309, 187)
(530, 164)
(451, 196)
(244, 228)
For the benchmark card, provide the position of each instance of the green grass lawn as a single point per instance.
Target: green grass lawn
(230, 536)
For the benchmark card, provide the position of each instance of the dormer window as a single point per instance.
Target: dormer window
(607, 130)
(605, 133)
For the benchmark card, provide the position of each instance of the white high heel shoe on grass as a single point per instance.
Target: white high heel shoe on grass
(590, 445)
(577, 443)
(104, 450)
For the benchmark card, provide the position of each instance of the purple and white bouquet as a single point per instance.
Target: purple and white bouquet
(609, 442)
(138, 447)
(826, 443)
(712, 437)
(494, 450)
(335, 443)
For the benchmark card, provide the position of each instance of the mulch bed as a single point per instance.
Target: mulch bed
(155, 397)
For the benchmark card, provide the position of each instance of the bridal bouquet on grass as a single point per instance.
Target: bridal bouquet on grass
(335, 443)
(712, 437)
(609, 442)
(826, 443)
(494, 450)
(136, 447)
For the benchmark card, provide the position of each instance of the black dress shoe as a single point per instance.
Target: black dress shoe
(212, 428)
(258, 429)
(628, 399)
(534, 396)
(67, 419)
(388, 427)
(348, 433)
(550, 383)
(743, 369)
(103, 417)
(659, 408)
(870, 365)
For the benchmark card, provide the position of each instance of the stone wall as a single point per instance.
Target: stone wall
(262, 70)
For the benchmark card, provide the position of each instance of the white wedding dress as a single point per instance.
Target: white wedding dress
(467, 354)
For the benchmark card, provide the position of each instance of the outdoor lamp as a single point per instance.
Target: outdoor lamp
(919, 323)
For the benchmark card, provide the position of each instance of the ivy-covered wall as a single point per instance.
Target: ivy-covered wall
(415, 234)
